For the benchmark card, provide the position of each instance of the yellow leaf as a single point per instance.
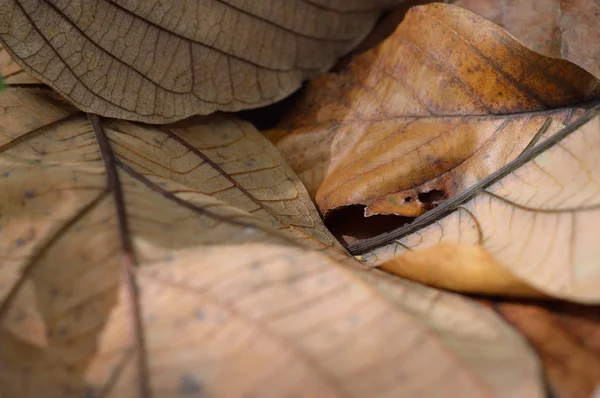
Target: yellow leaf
(462, 268)
(159, 62)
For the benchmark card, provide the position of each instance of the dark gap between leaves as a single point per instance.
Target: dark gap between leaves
(431, 197)
(349, 224)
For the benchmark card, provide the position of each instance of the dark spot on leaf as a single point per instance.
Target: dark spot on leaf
(200, 315)
(20, 242)
(53, 293)
(255, 265)
(6, 174)
(30, 193)
(189, 386)
(408, 199)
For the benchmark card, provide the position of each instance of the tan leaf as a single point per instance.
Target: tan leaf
(537, 218)
(561, 29)
(127, 272)
(158, 62)
(567, 339)
(459, 267)
(446, 100)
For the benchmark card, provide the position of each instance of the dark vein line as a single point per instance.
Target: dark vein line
(14, 73)
(538, 210)
(479, 116)
(115, 374)
(40, 75)
(538, 135)
(33, 261)
(30, 134)
(129, 258)
(193, 207)
(516, 83)
(447, 207)
(475, 221)
(218, 168)
(282, 27)
(229, 55)
(468, 89)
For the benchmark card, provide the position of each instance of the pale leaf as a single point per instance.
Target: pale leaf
(537, 218)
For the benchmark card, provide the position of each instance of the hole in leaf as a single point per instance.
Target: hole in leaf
(349, 225)
(431, 197)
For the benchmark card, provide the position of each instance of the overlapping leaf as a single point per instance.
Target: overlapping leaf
(561, 29)
(158, 62)
(567, 339)
(536, 217)
(446, 100)
(127, 272)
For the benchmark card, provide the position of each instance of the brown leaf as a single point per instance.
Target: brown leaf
(537, 218)
(445, 101)
(159, 62)
(561, 29)
(12, 72)
(567, 339)
(128, 272)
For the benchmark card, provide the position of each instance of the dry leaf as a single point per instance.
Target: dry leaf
(556, 28)
(459, 267)
(159, 61)
(445, 101)
(567, 339)
(537, 217)
(155, 285)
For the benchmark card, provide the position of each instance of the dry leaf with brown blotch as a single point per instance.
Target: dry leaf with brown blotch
(128, 272)
(556, 28)
(158, 62)
(442, 103)
(537, 218)
(567, 339)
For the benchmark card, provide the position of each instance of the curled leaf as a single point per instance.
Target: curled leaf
(567, 340)
(446, 100)
(159, 62)
(536, 217)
